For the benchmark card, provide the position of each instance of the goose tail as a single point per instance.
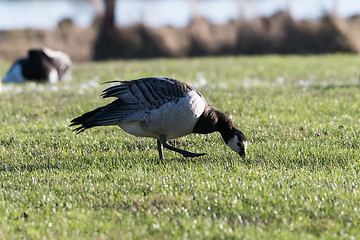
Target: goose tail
(85, 120)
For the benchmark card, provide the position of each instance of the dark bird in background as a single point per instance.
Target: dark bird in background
(161, 108)
(40, 65)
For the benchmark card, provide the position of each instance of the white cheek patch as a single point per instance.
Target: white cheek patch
(233, 144)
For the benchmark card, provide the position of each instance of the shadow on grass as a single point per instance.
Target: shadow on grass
(335, 86)
(153, 163)
(29, 167)
(95, 161)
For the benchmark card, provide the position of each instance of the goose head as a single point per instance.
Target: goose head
(238, 142)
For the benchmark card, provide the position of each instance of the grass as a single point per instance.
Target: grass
(300, 179)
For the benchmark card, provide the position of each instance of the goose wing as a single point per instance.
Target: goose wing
(137, 98)
(151, 93)
(135, 101)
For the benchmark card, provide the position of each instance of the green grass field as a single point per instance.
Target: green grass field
(300, 179)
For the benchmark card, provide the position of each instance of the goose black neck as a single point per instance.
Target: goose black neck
(213, 120)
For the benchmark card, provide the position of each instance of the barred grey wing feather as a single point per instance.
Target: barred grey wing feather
(151, 93)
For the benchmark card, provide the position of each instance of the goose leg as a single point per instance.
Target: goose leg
(160, 149)
(183, 152)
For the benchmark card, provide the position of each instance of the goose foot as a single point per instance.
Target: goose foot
(162, 142)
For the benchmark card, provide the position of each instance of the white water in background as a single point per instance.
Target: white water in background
(19, 14)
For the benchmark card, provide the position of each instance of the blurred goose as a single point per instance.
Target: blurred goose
(161, 108)
(40, 65)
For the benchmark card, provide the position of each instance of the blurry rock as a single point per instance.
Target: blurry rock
(44, 65)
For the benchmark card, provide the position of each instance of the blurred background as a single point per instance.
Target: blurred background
(109, 29)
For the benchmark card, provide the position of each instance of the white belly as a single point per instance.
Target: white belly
(172, 120)
(136, 129)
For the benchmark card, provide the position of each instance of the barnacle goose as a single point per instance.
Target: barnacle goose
(161, 108)
(40, 65)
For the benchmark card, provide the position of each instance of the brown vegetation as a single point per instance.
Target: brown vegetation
(77, 42)
(279, 33)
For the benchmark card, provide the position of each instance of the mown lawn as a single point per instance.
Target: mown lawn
(300, 179)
